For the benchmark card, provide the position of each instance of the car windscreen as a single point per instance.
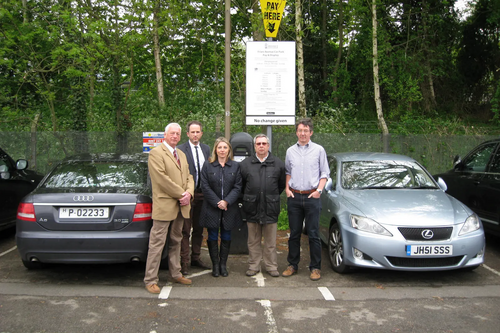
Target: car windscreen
(384, 175)
(88, 174)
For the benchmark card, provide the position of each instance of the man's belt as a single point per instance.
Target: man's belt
(302, 192)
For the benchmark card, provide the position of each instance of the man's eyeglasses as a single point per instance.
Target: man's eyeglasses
(261, 143)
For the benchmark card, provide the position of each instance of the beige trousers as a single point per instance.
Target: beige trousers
(157, 240)
(255, 253)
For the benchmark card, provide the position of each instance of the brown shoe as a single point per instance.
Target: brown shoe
(274, 273)
(289, 271)
(183, 280)
(184, 268)
(153, 288)
(315, 275)
(200, 264)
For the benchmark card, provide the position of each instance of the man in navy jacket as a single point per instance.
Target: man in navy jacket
(196, 153)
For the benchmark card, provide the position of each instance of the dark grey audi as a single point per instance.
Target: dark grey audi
(92, 208)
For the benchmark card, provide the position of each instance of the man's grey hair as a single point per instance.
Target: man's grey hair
(170, 125)
(260, 136)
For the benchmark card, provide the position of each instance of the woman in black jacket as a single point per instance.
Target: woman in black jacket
(221, 185)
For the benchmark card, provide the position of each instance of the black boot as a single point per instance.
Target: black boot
(224, 253)
(213, 249)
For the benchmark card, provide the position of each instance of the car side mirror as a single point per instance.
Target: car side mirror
(442, 184)
(329, 185)
(21, 164)
(457, 162)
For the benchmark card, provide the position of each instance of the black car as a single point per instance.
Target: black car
(475, 180)
(91, 208)
(15, 183)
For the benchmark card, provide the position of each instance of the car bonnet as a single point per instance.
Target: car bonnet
(408, 206)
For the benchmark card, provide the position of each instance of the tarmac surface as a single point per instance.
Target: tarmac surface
(112, 298)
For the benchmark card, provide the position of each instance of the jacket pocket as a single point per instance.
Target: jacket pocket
(250, 204)
(273, 206)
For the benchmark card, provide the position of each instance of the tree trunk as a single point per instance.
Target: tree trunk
(376, 84)
(258, 33)
(300, 59)
(324, 45)
(339, 53)
(33, 141)
(156, 41)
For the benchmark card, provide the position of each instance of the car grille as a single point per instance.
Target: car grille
(425, 262)
(415, 234)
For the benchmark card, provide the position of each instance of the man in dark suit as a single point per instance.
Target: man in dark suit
(173, 188)
(196, 153)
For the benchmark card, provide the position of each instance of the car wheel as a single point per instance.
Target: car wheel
(336, 250)
(33, 264)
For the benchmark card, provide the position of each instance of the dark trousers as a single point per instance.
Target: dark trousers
(301, 208)
(213, 234)
(197, 234)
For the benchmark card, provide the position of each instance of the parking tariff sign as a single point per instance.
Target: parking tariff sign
(151, 140)
(270, 83)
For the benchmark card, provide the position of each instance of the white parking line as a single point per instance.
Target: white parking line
(165, 292)
(4, 253)
(326, 294)
(491, 270)
(260, 279)
(273, 328)
(199, 273)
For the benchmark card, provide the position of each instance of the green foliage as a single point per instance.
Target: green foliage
(283, 220)
(89, 66)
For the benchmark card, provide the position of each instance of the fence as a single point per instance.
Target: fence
(43, 149)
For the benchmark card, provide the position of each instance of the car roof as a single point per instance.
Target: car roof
(489, 141)
(107, 157)
(370, 156)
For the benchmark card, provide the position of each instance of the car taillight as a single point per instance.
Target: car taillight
(143, 212)
(26, 212)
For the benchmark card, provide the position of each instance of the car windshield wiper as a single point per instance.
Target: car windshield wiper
(424, 187)
(378, 188)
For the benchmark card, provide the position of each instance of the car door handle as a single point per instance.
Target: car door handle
(477, 183)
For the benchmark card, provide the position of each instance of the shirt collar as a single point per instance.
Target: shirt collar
(262, 161)
(168, 146)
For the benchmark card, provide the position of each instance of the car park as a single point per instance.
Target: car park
(91, 208)
(475, 180)
(16, 181)
(385, 211)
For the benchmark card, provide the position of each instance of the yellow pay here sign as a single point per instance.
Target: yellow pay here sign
(272, 12)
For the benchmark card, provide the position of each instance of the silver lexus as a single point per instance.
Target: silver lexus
(386, 211)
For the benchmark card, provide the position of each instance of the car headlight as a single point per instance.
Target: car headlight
(365, 224)
(471, 224)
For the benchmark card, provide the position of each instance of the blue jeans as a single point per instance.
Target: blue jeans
(213, 234)
(301, 208)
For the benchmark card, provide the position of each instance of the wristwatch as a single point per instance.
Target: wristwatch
(319, 191)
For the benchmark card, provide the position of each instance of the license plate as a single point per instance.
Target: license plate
(429, 250)
(83, 212)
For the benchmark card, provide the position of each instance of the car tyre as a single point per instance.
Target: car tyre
(336, 250)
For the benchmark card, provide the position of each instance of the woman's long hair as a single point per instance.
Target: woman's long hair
(214, 156)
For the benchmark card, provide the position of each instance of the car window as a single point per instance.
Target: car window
(384, 174)
(478, 159)
(495, 163)
(87, 174)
